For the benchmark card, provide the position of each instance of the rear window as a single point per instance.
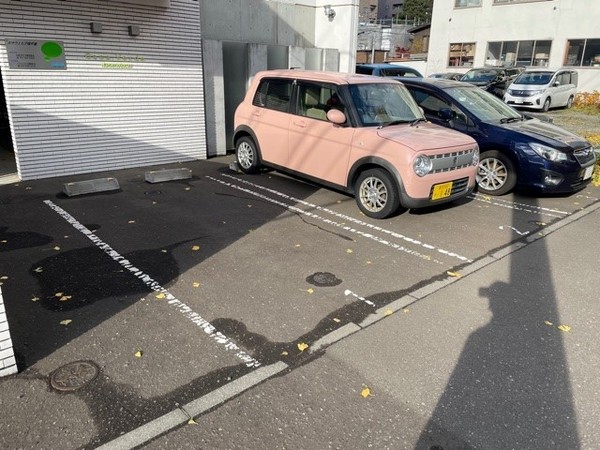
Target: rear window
(273, 94)
(364, 71)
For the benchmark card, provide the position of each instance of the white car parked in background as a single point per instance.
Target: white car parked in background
(543, 89)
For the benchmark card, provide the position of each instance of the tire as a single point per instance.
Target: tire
(570, 102)
(496, 173)
(376, 194)
(246, 155)
(546, 105)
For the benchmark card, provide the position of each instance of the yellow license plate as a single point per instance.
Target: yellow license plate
(441, 191)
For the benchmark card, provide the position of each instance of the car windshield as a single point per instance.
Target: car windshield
(483, 105)
(383, 103)
(533, 78)
(479, 75)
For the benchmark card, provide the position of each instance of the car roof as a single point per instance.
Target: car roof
(324, 76)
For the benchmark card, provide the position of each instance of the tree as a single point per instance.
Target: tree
(417, 9)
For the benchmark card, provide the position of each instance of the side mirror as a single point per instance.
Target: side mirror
(557, 83)
(446, 114)
(336, 116)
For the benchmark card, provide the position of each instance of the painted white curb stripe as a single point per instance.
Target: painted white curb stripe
(196, 407)
(184, 309)
(344, 226)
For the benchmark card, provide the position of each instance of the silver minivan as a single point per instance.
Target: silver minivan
(543, 89)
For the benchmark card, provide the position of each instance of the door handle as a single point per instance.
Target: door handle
(300, 123)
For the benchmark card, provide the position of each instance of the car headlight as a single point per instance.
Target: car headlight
(549, 153)
(422, 165)
(475, 161)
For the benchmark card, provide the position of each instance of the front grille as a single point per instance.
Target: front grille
(458, 186)
(584, 156)
(520, 93)
(452, 161)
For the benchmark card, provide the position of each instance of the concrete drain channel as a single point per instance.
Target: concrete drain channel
(74, 376)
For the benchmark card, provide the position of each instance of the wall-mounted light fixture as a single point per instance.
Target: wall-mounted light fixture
(134, 30)
(329, 12)
(96, 27)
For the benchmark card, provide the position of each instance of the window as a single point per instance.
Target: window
(466, 3)
(315, 100)
(432, 104)
(583, 52)
(461, 54)
(274, 94)
(518, 53)
(504, 2)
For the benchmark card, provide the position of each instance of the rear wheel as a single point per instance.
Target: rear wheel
(376, 194)
(247, 155)
(570, 102)
(495, 174)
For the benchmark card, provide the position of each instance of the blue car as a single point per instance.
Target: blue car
(517, 151)
(387, 70)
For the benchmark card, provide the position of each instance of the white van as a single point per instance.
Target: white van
(543, 89)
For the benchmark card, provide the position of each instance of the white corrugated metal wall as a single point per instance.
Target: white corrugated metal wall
(98, 115)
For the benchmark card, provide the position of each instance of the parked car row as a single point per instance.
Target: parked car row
(397, 145)
(539, 89)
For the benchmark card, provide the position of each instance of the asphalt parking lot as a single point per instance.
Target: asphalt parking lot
(177, 289)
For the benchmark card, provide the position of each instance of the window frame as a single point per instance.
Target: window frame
(461, 51)
(583, 57)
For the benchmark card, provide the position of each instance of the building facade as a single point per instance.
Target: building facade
(101, 85)
(531, 33)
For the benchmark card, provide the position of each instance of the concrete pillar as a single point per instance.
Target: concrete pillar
(214, 97)
(297, 57)
(257, 60)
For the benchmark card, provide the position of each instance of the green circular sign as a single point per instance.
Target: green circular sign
(51, 49)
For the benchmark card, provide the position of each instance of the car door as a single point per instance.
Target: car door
(270, 117)
(318, 148)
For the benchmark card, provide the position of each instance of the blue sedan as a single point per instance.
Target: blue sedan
(517, 151)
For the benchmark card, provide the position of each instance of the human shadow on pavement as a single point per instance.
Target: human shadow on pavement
(510, 387)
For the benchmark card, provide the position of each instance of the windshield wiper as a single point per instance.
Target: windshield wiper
(511, 119)
(395, 122)
(416, 122)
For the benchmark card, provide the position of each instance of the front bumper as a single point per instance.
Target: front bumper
(532, 101)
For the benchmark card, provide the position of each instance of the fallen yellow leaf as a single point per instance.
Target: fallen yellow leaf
(131, 221)
(196, 284)
(369, 262)
(192, 421)
(336, 320)
(405, 310)
(3, 277)
(34, 299)
(195, 248)
(297, 245)
(454, 274)
(565, 328)
(310, 290)
(66, 322)
(64, 298)
(38, 270)
(388, 312)
(349, 251)
(188, 188)
(57, 248)
(366, 392)
(161, 295)
(302, 346)
(138, 354)
(58, 294)
(284, 353)
(4, 241)
(547, 322)
(164, 251)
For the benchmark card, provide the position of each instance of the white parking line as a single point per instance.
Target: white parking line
(533, 209)
(345, 218)
(184, 309)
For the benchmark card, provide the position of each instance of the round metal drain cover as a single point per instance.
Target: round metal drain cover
(73, 376)
(323, 279)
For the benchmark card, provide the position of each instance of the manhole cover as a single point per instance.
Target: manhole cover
(74, 375)
(323, 279)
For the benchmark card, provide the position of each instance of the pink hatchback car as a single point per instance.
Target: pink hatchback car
(360, 134)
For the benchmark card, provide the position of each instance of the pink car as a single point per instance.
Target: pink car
(360, 134)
